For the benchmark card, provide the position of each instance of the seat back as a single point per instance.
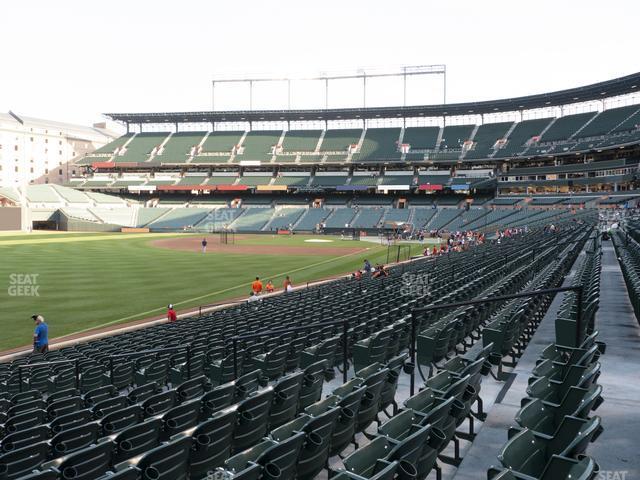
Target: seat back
(212, 441)
(87, 464)
(218, 398)
(284, 456)
(120, 419)
(311, 390)
(166, 462)
(315, 452)
(253, 416)
(138, 439)
(285, 399)
(22, 461)
(181, 417)
(75, 439)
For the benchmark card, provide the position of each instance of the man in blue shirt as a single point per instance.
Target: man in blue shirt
(40, 335)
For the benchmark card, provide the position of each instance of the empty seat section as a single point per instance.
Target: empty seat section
(114, 145)
(565, 127)
(255, 180)
(367, 218)
(607, 121)
(253, 219)
(453, 136)
(217, 147)
(340, 218)
(443, 218)
(140, 147)
(521, 134)
(336, 143)
(179, 218)
(329, 180)
(311, 219)
(259, 145)
(298, 142)
(380, 145)
(285, 218)
(485, 139)
(179, 147)
(292, 180)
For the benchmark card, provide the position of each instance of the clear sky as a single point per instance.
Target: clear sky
(72, 60)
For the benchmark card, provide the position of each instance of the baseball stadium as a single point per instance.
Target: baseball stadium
(400, 291)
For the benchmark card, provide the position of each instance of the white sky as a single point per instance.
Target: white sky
(72, 60)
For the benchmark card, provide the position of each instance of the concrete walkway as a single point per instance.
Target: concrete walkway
(616, 450)
(493, 433)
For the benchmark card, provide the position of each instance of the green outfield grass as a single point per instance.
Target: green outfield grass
(90, 280)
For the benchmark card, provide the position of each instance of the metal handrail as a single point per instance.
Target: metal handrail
(499, 298)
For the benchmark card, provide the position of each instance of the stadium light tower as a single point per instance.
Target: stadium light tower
(363, 74)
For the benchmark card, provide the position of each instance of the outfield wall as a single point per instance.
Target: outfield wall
(10, 218)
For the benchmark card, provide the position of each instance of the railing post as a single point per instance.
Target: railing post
(77, 367)
(200, 311)
(412, 354)
(345, 351)
(235, 358)
(189, 362)
(20, 378)
(111, 369)
(579, 316)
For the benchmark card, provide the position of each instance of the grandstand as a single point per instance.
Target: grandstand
(490, 343)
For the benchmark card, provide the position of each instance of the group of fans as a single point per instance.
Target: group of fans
(457, 242)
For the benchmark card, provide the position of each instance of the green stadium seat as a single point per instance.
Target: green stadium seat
(159, 403)
(24, 438)
(85, 464)
(312, 382)
(212, 442)
(383, 470)
(277, 459)
(157, 372)
(169, 461)
(371, 350)
(544, 417)
(529, 453)
(181, 417)
(218, 398)
(74, 439)
(118, 420)
(325, 350)
(272, 363)
(194, 388)
(285, 399)
(23, 461)
(253, 418)
(405, 425)
(143, 392)
(558, 468)
(136, 440)
(221, 371)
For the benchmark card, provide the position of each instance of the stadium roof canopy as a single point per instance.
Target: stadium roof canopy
(610, 88)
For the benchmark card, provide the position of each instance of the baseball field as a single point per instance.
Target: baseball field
(80, 282)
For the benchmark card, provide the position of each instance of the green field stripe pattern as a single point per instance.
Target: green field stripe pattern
(89, 281)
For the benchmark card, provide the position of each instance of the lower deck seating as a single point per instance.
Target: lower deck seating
(141, 405)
